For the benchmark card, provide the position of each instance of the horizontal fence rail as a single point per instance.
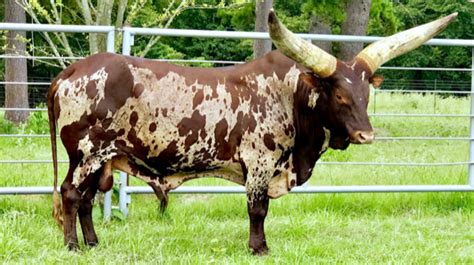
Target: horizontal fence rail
(241, 190)
(266, 36)
(352, 163)
(7, 56)
(377, 138)
(370, 114)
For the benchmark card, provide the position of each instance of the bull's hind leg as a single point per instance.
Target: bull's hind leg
(71, 199)
(122, 163)
(161, 194)
(85, 208)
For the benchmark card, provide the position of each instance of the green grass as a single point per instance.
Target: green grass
(323, 228)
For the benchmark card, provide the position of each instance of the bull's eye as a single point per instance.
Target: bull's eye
(340, 99)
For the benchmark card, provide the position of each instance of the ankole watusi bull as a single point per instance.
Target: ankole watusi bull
(263, 124)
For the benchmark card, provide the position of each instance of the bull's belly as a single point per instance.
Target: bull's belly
(278, 186)
(231, 172)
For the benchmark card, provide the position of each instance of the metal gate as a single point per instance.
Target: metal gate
(128, 38)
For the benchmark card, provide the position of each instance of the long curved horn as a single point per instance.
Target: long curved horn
(303, 52)
(388, 48)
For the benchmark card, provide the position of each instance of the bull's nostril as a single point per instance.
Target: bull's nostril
(361, 137)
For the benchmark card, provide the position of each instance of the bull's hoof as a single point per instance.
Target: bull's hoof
(163, 205)
(92, 244)
(259, 251)
(72, 246)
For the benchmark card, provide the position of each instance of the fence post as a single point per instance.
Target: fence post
(127, 41)
(124, 198)
(108, 194)
(434, 96)
(375, 99)
(108, 205)
(123, 202)
(111, 41)
(471, 134)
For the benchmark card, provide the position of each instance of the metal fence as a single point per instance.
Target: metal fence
(128, 38)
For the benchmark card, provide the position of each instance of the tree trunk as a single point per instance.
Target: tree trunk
(357, 18)
(103, 18)
(262, 8)
(318, 26)
(16, 95)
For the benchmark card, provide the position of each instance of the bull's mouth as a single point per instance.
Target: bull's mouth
(339, 142)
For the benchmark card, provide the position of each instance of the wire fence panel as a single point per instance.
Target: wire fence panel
(38, 90)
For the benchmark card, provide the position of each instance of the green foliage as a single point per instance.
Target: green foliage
(383, 20)
(7, 127)
(160, 50)
(415, 12)
(330, 11)
(242, 19)
(37, 122)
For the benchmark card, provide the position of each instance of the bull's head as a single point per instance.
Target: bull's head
(346, 84)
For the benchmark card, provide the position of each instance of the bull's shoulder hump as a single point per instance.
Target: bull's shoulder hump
(92, 64)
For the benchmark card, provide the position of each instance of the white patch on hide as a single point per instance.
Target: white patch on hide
(73, 99)
(313, 98)
(353, 66)
(327, 138)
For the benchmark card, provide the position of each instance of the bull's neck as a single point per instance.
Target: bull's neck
(310, 135)
(310, 140)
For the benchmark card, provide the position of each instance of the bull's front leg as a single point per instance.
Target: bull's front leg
(257, 209)
(257, 180)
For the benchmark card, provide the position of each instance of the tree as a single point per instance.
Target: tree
(319, 26)
(325, 18)
(56, 12)
(16, 95)
(262, 9)
(357, 18)
(103, 12)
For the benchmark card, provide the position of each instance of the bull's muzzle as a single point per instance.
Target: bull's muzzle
(362, 137)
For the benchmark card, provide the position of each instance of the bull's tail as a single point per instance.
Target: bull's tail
(57, 211)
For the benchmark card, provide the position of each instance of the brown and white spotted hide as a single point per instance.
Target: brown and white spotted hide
(165, 125)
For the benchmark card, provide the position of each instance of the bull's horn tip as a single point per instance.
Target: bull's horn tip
(451, 17)
(272, 17)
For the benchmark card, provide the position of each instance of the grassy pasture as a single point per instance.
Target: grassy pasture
(325, 228)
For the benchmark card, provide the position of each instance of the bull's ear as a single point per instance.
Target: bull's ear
(376, 80)
(308, 79)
